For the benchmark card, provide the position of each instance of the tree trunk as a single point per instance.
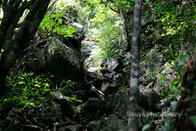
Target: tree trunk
(15, 43)
(134, 76)
(127, 25)
(125, 29)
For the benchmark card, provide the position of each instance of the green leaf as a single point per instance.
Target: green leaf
(172, 53)
(49, 28)
(47, 85)
(173, 86)
(76, 100)
(193, 118)
(71, 29)
(60, 21)
(37, 85)
(149, 54)
(163, 76)
(32, 104)
(2, 50)
(53, 15)
(20, 83)
(146, 127)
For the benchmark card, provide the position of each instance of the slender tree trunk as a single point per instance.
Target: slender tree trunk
(15, 44)
(125, 32)
(127, 26)
(134, 75)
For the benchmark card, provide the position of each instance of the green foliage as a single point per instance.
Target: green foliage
(175, 87)
(109, 41)
(53, 23)
(111, 104)
(116, 4)
(27, 90)
(175, 84)
(108, 31)
(72, 89)
(2, 50)
(173, 24)
(149, 54)
(162, 77)
(123, 88)
(193, 118)
(103, 25)
(171, 17)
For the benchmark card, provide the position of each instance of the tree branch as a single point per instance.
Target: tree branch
(14, 48)
(27, 4)
(117, 11)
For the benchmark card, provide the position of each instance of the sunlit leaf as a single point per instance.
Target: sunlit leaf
(163, 76)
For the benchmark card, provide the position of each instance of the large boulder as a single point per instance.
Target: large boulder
(59, 59)
(59, 56)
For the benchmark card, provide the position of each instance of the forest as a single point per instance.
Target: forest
(97, 65)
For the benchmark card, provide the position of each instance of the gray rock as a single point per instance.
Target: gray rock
(113, 123)
(110, 65)
(77, 127)
(65, 105)
(79, 34)
(59, 59)
(109, 88)
(94, 126)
